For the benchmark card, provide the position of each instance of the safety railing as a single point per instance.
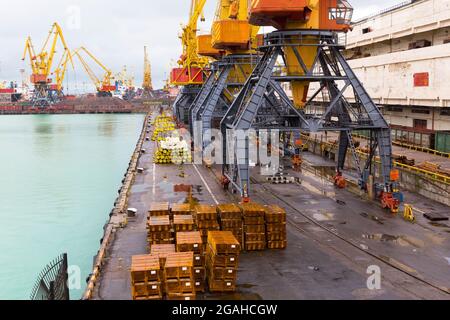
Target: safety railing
(429, 174)
(412, 147)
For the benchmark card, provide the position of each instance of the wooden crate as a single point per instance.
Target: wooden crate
(254, 221)
(221, 273)
(277, 244)
(159, 224)
(253, 210)
(205, 212)
(199, 260)
(270, 228)
(180, 297)
(229, 212)
(255, 237)
(231, 224)
(179, 265)
(181, 286)
(200, 285)
(149, 290)
(189, 242)
(159, 209)
(181, 209)
(275, 214)
(223, 242)
(160, 235)
(162, 250)
(255, 246)
(226, 261)
(221, 285)
(210, 225)
(199, 273)
(276, 236)
(145, 269)
(255, 228)
(183, 223)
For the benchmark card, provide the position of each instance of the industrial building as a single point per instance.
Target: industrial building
(401, 55)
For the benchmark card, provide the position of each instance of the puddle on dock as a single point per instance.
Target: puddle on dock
(320, 191)
(404, 241)
(323, 216)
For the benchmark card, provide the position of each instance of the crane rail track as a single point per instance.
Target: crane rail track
(349, 242)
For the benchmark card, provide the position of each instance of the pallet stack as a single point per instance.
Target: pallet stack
(146, 278)
(178, 276)
(181, 209)
(254, 226)
(230, 216)
(206, 220)
(276, 233)
(158, 209)
(192, 242)
(183, 223)
(222, 257)
(160, 230)
(161, 251)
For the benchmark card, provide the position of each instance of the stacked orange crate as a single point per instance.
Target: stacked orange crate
(183, 223)
(222, 257)
(178, 276)
(160, 230)
(206, 220)
(181, 209)
(161, 251)
(146, 279)
(276, 233)
(192, 242)
(230, 216)
(159, 209)
(254, 226)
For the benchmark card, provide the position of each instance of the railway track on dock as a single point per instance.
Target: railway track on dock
(373, 255)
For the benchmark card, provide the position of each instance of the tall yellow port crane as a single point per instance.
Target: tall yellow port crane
(147, 85)
(233, 42)
(42, 63)
(103, 85)
(191, 72)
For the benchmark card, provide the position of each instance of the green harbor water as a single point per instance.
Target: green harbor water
(59, 176)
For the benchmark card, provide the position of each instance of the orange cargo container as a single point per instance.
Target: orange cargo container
(38, 78)
(205, 48)
(108, 88)
(184, 76)
(230, 33)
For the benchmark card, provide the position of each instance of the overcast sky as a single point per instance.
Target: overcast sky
(115, 31)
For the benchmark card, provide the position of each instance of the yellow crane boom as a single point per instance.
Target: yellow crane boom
(103, 86)
(191, 71)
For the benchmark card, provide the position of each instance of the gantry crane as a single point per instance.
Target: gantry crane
(233, 41)
(308, 44)
(42, 63)
(191, 73)
(103, 86)
(147, 86)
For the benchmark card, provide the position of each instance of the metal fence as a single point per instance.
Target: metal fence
(52, 283)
